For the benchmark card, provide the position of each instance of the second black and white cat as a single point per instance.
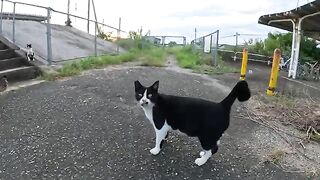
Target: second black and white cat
(29, 52)
(199, 118)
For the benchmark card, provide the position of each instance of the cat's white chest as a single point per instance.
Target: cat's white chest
(148, 113)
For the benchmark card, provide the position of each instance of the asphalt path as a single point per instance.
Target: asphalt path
(90, 127)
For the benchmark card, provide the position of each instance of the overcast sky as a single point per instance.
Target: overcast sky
(170, 17)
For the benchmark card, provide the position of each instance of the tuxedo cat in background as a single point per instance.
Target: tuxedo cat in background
(30, 53)
(196, 117)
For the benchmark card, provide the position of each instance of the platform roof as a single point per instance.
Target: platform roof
(310, 25)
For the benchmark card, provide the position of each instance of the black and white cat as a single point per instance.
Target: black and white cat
(30, 53)
(196, 117)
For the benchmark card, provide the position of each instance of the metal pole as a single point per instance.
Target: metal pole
(244, 64)
(118, 36)
(1, 16)
(237, 40)
(297, 50)
(95, 15)
(88, 16)
(49, 48)
(68, 22)
(274, 72)
(14, 23)
(163, 40)
(293, 47)
(217, 47)
(95, 39)
(211, 49)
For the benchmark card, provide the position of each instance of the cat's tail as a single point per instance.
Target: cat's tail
(240, 91)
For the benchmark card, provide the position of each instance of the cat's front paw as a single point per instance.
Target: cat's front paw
(200, 161)
(155, 151)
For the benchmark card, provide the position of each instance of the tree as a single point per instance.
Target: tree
(172, 43)
(308, 46)
(134, 35)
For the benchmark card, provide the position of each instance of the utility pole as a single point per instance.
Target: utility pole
(68, 22)
(88, 24)
(237, 34)
(195, 34)
(118, 36)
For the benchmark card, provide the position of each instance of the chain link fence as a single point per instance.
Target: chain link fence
(208, 44)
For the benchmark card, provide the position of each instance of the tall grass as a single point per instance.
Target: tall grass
(185, 56)
(199, 62)
(154, 57)
(148, 57)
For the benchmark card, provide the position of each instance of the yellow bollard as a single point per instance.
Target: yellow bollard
(274, 72)
(244, 64)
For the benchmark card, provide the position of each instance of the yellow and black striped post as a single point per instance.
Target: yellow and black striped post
(244, 64)
(274, 72)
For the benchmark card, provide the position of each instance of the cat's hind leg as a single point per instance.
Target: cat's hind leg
(209, 149)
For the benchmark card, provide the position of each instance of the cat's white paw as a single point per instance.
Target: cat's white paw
(200, 161)
(155, 151)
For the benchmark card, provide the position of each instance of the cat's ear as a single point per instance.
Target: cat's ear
(155, 85)
(137, 85)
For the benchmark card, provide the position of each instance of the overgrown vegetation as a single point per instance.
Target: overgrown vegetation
(104, 35)
(301, 113)
(76, 67)
(141, 50)
(309, 48)
(137, 50)
(199, 62)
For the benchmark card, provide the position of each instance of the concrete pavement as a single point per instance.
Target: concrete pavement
(90, 127)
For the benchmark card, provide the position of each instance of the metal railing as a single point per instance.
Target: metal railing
(47, 18)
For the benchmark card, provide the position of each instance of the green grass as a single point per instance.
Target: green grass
(76, 67)
(154, 57)
(185, 57)
(149, 57)
(200, 63)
